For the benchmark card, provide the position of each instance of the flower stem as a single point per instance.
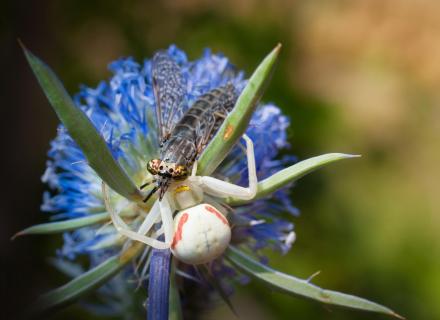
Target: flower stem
(159, 285)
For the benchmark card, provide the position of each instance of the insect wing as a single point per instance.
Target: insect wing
(218, 103)
(169, 86)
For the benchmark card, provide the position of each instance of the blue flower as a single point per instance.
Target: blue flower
(122, 110)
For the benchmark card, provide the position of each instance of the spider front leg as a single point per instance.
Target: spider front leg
(225, 189)
(145, 227)
(166, 213)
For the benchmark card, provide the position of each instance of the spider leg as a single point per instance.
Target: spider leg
(166, 214)
(124, 229)
(152, 217)
(225, 189)
(194, 169)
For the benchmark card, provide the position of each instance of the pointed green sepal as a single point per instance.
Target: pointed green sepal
(237, 121)
(82, 130)
(62, 226)
(85, 283)
(295, 286)
(291, 174)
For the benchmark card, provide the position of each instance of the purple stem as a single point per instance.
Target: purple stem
(159, 285)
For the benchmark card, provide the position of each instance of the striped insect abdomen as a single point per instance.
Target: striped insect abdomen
(198, 125)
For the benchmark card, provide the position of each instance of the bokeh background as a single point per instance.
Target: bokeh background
(354, 76)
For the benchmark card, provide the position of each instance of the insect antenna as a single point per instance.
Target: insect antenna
(152, 191)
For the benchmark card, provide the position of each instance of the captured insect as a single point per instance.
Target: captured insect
(199, 232)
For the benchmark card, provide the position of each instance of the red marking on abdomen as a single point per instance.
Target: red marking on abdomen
(178, 234)
(218, 214)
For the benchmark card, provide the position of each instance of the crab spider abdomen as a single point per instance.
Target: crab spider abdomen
(201, 234)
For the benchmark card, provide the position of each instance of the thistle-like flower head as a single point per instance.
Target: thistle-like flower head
(121, 111)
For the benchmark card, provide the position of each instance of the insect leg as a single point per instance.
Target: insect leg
(225, 189)
(220, 115)
(152, 191)
(124, 229)
(147, 184)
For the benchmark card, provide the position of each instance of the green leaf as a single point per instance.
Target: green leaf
(295, 286)
(175, 309)
(237, 121)
(291, 174)
(86, 283)
(61, 226)
(82, 130)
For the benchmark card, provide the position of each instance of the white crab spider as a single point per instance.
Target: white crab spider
(199, 232)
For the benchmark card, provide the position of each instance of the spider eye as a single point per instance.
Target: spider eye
(170, 170)
(161, 168)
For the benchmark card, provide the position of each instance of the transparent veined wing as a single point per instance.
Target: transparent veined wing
(169, 86)
(218, 103)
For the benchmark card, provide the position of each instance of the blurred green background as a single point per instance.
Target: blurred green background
(354, 76)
